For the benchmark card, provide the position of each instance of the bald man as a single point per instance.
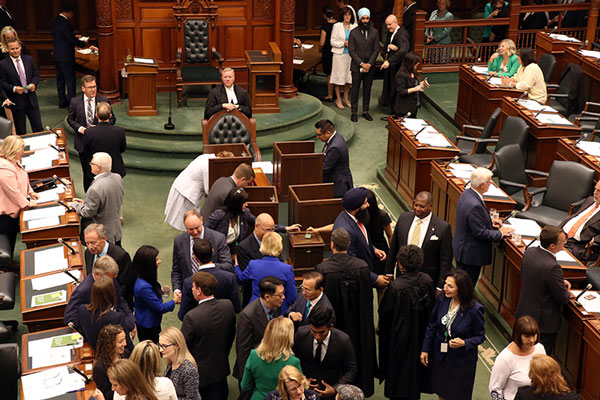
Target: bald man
(396, 46)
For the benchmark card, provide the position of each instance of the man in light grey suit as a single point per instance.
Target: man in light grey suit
(103, 199)
(242, 177)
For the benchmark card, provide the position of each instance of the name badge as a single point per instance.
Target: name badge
(444, 347)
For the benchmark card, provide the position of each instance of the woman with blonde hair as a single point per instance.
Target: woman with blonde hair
(128, 381)
(147, 357)
(181, 366)
(14, 188)
(547, 383)
(266, 361)
(269, 265)
(292, 385)
(504, 61)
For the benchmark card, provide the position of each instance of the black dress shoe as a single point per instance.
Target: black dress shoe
(353, 118)
(385, 118)
(367, 116)
(329, 100)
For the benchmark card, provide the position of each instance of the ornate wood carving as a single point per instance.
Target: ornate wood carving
(103, 13)
(286, 31)
(263, 9)
(106, 43)
(288, 11)
(123, 9)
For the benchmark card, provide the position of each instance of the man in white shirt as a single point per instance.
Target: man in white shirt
(227, 97)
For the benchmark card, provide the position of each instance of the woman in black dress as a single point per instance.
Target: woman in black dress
(325, 47)
(547, 383)
(379, 224)
(408, 87)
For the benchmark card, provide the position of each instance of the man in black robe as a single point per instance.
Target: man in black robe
(349, 287)
(403, 315)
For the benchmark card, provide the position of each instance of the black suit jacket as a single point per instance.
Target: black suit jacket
(339, 364)
(437, 247)
(209, 330)
(543, 291)
(64, 40)
(216, 196)
(110, 139)
(408, 21)
(247, 250)
(336, 165)
(358, 244)
(218, 96)
(9, 78)
(251, 325)
(361, 50)
(402, 41)
(590, 230)
(76, 119)
(5, 19)
(126, 276)
(300, 306)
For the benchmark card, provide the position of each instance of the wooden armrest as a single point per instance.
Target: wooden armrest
(590, 103)
(512, 184)
(558, 95)
(536, 172)
(257, 155)
(576, 204)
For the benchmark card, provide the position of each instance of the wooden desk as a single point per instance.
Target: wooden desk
(263, 199)
(59, 167)
(477, 99)
(66, 227)
(141, 87)
(74, 261)
(224, 166)
(313, 205)
(408, 167)
(590, 384)
(447, 188)
(88, 63)
(296, 163)
(45, 137)
(305, 253)
(66, 196)
(567, 151)
(591, 69)
(311, 59)
(542, 140)
(43, 317)
(544, 44)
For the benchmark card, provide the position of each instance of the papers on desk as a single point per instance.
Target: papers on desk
(590, 53)
(434, 139)
(561, 256)
(72, 339)
(480, 70)
(564, 38)
(48, 298)
(45, 212)
(266, 166)
(590, 300)
(54, 280)
(496, 80)
(414, 124)
(553, 119)
(84, 51)
(143, 60)
(41, 159)
(51, 194)
(308, 46)
(495, 191)
(524, 227)
(51, 383)
(40, 142)
(84, 38)
(49, 260)
(462, 171)
(298, 61)
(592, 148)
(533, 105)
(43, 222)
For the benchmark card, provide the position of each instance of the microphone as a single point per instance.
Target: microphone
(588, 287)
(454, 159)
(84, 376)
(466, 184)
(65, 206)
(475, 62)
(59, 180)
(530, 243)
(402, 119)
(54, 147)
(584, 136)
(511, 215)
(72, 326)
(538, 113)
(554, 29)
(67, 245)
(169, 125)
(66, 271)
(52, 131)
(520, 97)
(583, 45)
(421, 130)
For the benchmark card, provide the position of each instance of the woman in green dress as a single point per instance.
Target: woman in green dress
(504, 62)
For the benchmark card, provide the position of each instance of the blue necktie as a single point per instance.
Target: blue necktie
(307, 310)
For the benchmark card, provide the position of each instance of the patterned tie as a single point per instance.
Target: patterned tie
(271, 315)
(21, 73)
(416, 235)
(581, 221)
(89, 114)
(195, 263)
(307, 310)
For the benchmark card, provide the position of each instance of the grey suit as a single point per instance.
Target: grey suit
(362, 50)
(102, 205)
(216, 196)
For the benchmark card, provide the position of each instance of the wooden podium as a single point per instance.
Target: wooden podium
(264, 68)
(296, 163)
(263, 199)
(224, 166)
(314, 205)
(141, 87)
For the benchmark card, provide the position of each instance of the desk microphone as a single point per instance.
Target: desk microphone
(530, 243)
(455, 159)
(538, 113)
(475, 62)
(73, 369)
(466, 184)
(51, 130)
(402, 119)
(59, 180)
(588, 287)
(583, 45)
(54, 147)
(520, 97)
(420, 130)
(511, 215)
(65, 206)
(67, 245)
(66, 271)
(554, 29)
(584, 136)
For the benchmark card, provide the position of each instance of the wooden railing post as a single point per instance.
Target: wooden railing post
(513, 28)
(399, 11)
(590, 34)
(419, 33)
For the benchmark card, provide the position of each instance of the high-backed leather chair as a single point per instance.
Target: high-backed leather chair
(547, 64)
(5, 256)
(5, 128)
(10, 370)
(568, 185)
(7, 302)
(198, 61)
(467, 144)
(231, 127)
(569, 97)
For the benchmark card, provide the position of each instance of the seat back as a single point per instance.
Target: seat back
(510, 166)
(5, 128)
(572, 83)
(229, 128)
(547, 64)
(568, 182)
(488, 129)
(10, 370)
(514, 131)
(196, 41)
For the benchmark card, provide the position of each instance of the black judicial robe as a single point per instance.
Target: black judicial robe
(349, 289)
(403, 315)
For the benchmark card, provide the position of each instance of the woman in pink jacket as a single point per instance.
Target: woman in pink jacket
(14, 188)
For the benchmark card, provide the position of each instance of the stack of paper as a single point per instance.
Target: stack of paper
(54, 280)
(462, 171)
(51, 194)
(480, 70)
(524, 227)
(434, 139)
(590, 300)
(561, 256)
(592, 148)
(533, 105)
(266, 166)
(43, 213)
(590, 53)
(49, 260)
(564, 38)
(414, 124)
(553, 119)
(40, 142)
(50, 383)
(41, 159)
(495, 81)
(495, 191)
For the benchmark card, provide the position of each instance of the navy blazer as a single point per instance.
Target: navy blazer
(90, 326)
(300, 306)
(227, 288)
(474, 233)
(269, 266)
(149, 306)
(468, 325)
(76, 118)
(9, 78)
(217, 96)
(182, 256)
(336, 165)
(64, 40)
(359, 247)
(219, 221)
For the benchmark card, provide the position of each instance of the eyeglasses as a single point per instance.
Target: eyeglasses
(93, 164)
(266, 229)
(280, 295)
(164, 346)
(305, 289)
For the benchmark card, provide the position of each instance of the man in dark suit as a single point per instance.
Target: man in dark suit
(19, 79)
(63, 54)
(312, 299)
(336, 163)
(209, 330)
(227, 288)
(82, 115)
(98, 246)
(183, 263)
(397, 44)
(242, 177)
(432, 234)
(325, 353)
(107, 138)
(253, 320)
(544, 289)
(104, 266)
(583, 229)
(227, 97)
(408, 19)
(6, 18)
(475, 231)
(363, 47)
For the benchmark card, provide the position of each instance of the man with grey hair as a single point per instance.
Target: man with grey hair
(104, 266)
(348, 392)
(475, 231)
(227, 97)
(103, 200)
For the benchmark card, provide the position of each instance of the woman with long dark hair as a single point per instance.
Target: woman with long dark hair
(529, 77)
(408, 87)
(147, 293)
(109, 349)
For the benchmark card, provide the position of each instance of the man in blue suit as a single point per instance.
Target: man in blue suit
(336, 163)
(475, 231)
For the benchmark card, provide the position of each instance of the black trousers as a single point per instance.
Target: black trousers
(65, 74)
(31, 113)
(472, 270)
(148, 333)
(9, 226)
(88, 177)
(388, 93)
(548, 340)
(215, 391)
(367, 80)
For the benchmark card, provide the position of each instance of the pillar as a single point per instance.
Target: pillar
(106, 44)
(286, 32)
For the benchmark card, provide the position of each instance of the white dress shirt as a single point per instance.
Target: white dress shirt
(231, 97)
(324, 346)
(574, 220)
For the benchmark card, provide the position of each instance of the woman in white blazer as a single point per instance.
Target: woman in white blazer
(340, 70)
